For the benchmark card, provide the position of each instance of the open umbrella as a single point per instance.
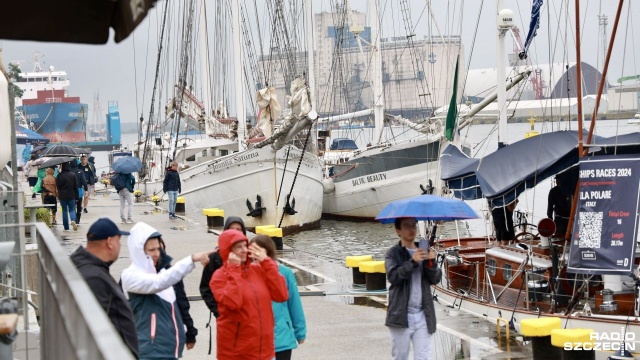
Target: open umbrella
(38, 148)
(59, 150)
(53, 161)
(127, 165)
(84, 151)
(426, 207)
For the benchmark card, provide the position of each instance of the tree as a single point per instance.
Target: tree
(14, 76)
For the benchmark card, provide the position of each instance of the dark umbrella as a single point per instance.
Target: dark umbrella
(59, 150)
(53, 161)
(82, 150)
(127, 165)
(38, 148)
(427, 207)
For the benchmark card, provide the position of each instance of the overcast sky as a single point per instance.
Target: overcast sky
(111, 68)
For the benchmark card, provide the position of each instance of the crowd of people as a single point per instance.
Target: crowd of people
(255, 301)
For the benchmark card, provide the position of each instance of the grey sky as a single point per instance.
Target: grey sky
(111, 68)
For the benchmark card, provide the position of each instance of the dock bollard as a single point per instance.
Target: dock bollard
(215, 217)
(276, 235)
(375, 275)
(576, 344)
(180, 207)
(539, 330)
(354, 263)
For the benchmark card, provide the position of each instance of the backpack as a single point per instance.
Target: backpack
(118, 182)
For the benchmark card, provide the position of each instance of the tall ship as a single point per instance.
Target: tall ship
(46, 108)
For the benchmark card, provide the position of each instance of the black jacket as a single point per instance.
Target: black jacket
(181, 298)
(67, 184)
(82, 181)
(171, 181)
(89, 172)
(215, 263)
(110, 296)
(399, 268)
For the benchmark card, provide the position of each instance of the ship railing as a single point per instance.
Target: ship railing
(72, 325)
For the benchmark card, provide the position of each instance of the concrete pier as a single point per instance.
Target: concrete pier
(343, 322)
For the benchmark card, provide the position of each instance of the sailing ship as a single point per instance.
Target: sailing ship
(574, 276)
(359, 184)
(268, 178)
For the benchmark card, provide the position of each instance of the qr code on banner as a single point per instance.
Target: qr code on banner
(590, 229)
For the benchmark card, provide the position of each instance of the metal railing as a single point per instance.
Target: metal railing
(72, 324)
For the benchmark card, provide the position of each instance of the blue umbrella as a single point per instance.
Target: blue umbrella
(127, 165)
(426, 207)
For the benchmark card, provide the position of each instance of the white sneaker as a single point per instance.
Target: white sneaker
(123, 221)
(74, 226)
(129, 221)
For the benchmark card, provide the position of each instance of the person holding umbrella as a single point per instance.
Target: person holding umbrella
(124, 182)
(411, 270)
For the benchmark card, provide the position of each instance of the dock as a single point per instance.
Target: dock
(343, 322)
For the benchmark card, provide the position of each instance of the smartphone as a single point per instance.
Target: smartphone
(423, 244)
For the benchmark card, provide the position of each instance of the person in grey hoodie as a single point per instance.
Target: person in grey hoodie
(411, 316)
(152, 297)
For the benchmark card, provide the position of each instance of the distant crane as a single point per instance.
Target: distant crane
(536, 75)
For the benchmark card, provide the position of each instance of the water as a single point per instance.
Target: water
(336, 237)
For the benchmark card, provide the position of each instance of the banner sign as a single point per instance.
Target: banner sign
(605, 228)
(534, 24)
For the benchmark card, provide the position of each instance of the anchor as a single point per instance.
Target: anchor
(257, 211)
(428, 190)
(289, 209)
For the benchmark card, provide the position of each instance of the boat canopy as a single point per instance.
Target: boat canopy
(185, 152)
(343, 144)
(503, 175)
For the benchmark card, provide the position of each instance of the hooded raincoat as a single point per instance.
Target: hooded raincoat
(161, 332)
(215, 263)
(244, 294)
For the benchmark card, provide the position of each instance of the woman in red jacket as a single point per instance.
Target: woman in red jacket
(244, 291)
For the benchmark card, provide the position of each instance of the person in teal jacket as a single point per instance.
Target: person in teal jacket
(290, 325)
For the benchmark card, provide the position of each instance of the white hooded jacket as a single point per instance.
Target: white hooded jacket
(141, 276)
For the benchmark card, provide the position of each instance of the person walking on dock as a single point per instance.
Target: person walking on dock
(89, 172)
(67, 184)
(82, 188)
(411, 316)
(31, 173)
(93, 262)
(50, 193)
(172, 187)
(124, 184)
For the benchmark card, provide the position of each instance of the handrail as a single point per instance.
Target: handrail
(73, 325)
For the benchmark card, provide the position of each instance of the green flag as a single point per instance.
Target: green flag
(452, 114)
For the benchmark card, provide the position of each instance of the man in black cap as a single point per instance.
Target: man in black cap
(103, 249)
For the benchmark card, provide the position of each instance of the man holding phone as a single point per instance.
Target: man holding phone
(411, 270)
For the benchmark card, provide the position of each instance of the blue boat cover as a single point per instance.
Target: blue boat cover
(26, 136)
(503, 175)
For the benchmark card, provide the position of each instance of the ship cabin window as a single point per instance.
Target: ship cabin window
(224, 152)
(507, 272)
(39, 79)
(62, 78)
(31, 79)
(54, 78)
(491, 267)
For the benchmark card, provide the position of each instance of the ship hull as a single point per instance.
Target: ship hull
(230, 181)
(366, 183)
(59, 122)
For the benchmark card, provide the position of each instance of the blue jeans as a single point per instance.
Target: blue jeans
(173, 197)
(68, 209)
